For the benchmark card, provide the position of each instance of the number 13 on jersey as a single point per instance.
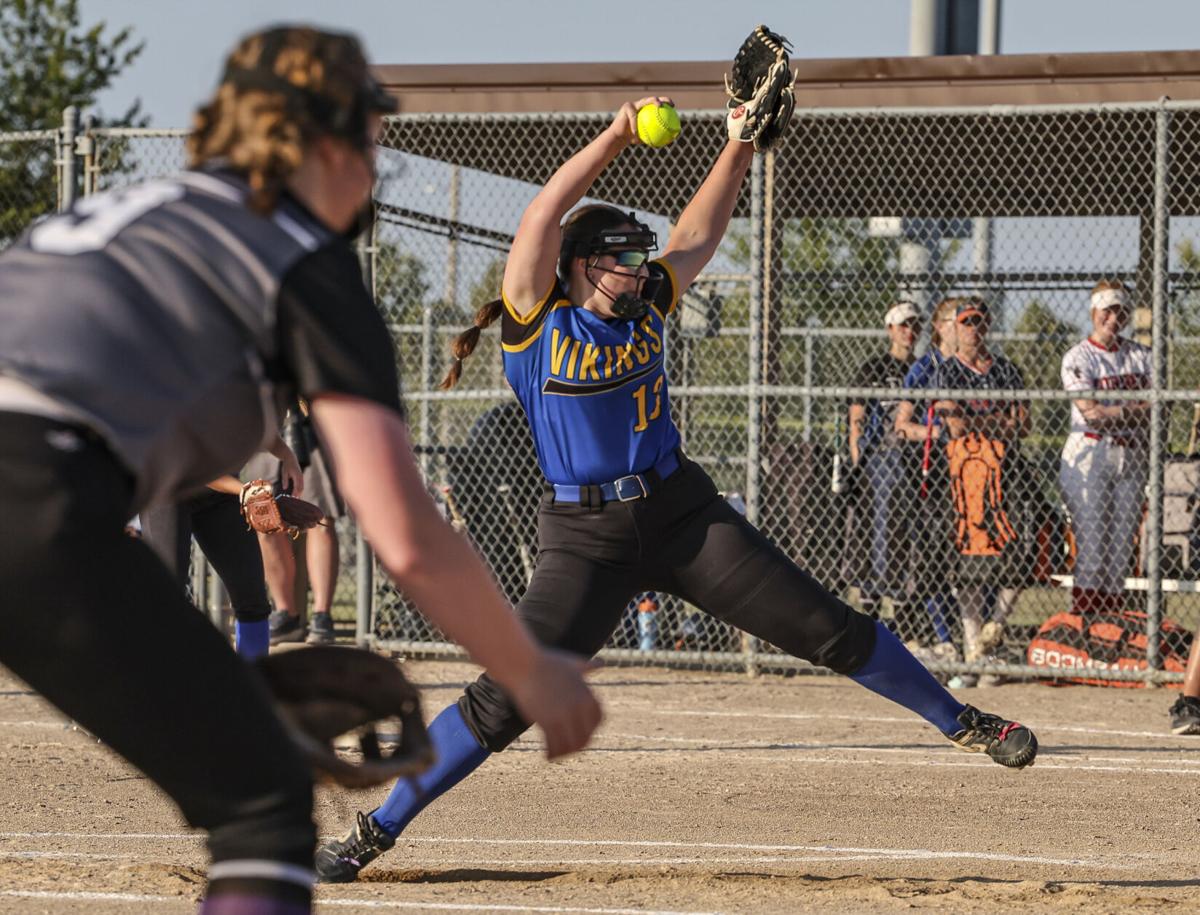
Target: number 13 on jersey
(639, 395)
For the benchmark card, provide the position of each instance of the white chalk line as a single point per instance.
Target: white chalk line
(459, 862)
(700, 744)
(783, 753)
(154, 836)
(66, 896)
(703, 744)
(346, 902)
(793, 852)
(913, 720)
(56, 855)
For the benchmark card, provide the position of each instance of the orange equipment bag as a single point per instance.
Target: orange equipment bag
(1105, 641)
(982, 526)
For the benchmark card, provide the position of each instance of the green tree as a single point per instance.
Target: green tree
(401, 286)
(1040, 361)
(487, 287)
(49, 60)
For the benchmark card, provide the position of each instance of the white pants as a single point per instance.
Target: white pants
(1104, 487)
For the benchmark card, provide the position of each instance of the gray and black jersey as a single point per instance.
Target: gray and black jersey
(175, 323)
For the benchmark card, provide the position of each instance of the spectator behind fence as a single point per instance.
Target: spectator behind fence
(881, 454)
(992, 535)
(930, 553)
(1106, 456)
(320, 553)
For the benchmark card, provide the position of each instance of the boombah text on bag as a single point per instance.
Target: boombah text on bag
(1105, 641)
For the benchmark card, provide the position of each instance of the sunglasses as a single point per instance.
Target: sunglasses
(912, 324)
(631, 260)
(974, 321)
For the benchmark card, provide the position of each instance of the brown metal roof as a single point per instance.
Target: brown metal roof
(1006, 79)
(1097, 162)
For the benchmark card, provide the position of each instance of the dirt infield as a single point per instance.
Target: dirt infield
(703, 793)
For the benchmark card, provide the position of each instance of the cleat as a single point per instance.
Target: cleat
(320, 630)
(1185, 715)
(1006, 742)
(284, 627)
(340, 861)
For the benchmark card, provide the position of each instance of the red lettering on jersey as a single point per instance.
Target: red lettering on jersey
(1123, 382)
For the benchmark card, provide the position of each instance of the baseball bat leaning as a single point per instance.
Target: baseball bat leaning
(1195, 430)
(927, 457)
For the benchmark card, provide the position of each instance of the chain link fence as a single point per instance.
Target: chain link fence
(999, 528)
(29, 180)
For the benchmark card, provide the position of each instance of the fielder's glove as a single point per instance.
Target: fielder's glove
(326, 691)
(760, 92)
(268, 513)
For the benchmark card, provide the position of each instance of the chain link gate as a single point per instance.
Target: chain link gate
(1026, 208)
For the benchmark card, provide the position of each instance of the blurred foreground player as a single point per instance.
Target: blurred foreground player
(146, 340)
(583, 320)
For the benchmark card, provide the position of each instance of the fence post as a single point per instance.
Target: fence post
(85, 148)
(364, 562)
(66, 158)
(754, 367)
(1158, 344)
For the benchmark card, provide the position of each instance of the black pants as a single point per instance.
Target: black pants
(215, 520)
(685, 540)
(92, 620)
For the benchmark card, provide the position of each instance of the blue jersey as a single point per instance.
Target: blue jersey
(594, 389)
(926, 372)
(999, 375)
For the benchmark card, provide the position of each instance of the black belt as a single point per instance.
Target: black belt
(626, 489)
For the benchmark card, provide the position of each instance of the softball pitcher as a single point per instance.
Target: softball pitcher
(147, 339)
(583, 321)
(1106, 456)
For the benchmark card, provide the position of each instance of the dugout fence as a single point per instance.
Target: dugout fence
(1024, 207)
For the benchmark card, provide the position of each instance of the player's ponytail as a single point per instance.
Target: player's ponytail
(464, 344)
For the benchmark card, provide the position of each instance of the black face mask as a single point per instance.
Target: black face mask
(630, 307)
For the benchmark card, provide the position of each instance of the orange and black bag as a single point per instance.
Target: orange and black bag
(1106, 641)
(982, 526)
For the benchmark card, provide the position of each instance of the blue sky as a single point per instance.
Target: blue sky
(185, 40)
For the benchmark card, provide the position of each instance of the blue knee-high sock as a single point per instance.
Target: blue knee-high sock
(895, 674)
(252, 640)
(458, 755)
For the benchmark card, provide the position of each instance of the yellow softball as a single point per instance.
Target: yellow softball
(657, 125)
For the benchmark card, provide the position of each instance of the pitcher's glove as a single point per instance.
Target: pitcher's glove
(268, 513)
(326, 691)
(760, 91)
